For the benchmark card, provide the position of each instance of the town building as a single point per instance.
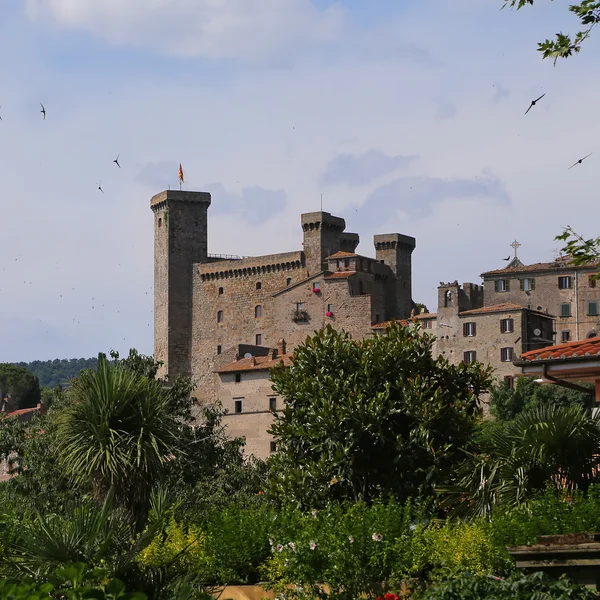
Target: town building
(559, 288)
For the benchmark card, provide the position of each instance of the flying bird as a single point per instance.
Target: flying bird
(116, 161)
(43, 111)
(507, 258)
(100, 188)
(533, 103)
(579, 161)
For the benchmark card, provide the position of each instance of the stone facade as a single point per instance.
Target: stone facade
(206, 306)
(570, 293)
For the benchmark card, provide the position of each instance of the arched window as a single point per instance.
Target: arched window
(257, 311)
(219, 316)
(288, 281)
(258, 285)
(220, 291)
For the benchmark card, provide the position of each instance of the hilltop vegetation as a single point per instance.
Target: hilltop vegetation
(58, 371)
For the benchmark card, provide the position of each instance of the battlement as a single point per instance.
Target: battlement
(159, 201)
(391, 241)
(252, 265)
(322, 220)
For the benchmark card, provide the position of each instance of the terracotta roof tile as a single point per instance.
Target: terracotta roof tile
(561, 263)
(340, 275)
(504, 307)
(342, 254)
(255, 363)
(579, 349)
(20, 412)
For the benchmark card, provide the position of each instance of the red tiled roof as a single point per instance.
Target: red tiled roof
(504, 307)
(582, 348)
(255, 363)
(561, 263)
(342, 254)
(340, 275)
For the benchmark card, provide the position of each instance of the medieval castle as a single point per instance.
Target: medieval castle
(225, 320)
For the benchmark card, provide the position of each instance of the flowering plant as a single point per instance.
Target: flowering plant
(329, 314)
(315, 290)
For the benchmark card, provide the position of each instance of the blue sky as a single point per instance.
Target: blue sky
(406, 115)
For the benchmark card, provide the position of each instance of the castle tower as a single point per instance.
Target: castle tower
(322, 237)
(180, 241)
(395, 250)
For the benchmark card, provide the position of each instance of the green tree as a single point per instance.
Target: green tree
(506, 402)
(376, 416)
(22, 385)
(119, 429)
(548, 445)
(565, 45)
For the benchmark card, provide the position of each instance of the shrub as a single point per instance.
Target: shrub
(517, 587)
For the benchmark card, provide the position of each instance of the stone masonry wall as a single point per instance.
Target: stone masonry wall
(549, 297)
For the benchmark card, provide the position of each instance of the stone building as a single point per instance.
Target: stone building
(571, 293)
(206, 306)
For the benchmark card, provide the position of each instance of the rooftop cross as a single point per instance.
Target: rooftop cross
(515, 245)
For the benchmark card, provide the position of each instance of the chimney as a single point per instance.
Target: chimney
(281, 347)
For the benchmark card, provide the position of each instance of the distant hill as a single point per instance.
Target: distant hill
(58, 371)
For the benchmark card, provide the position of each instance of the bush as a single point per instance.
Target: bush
(517, 587)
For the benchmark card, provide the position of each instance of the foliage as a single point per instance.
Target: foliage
(376, 416)
(506, 402)
(351, 548)
(565, 45)
(536, 586)
(118, 430)
(420, 308)
(581, 251)
(74, 582)
(22, 385)
(547, 445)
(52, 373)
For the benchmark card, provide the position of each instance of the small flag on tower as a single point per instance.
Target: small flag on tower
(180, 173)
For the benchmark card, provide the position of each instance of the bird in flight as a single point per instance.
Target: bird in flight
(100, 188)
(43, 111)
(579, 161)
(0, 117)
(507, 258)
(116, 161)
(533, 103)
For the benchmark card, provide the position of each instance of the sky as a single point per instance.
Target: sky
(407, 116)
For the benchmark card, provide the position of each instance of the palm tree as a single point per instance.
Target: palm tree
(546, 445)
(117, 431)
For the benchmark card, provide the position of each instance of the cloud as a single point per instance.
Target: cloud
(211, 29)
(418, 196)
(500, 93)
(445, 111)
(254, 204)
(360, 169)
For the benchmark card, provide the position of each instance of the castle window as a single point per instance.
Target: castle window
(299, 305)
(272, 403)
(565, 336)
(565, 309)
(509, 382)
(219, 316)
(501, 285)
(258, 311)
(316, 285)
(346, 262)
(447, 298)
(527, 284)
(470, 356)
(427, 323)
(238, 377)
(159, 222)
(220, 291)
(272, 447)
(330, 308)
(507, 325)
(506, 354)
(565, 282)
(237, 405)
(258, 285)
(592, 281)
(219, 349)
(258, 339)
(288, 281)
(593, 309)
(469, 329)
